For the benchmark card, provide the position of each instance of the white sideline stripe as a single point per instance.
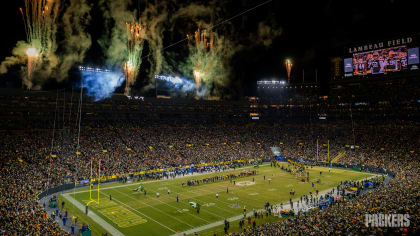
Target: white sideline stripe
(161, 180)
(93, 216)
(234, 218)
(140, 213)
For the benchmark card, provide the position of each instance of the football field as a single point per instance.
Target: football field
(135, 213)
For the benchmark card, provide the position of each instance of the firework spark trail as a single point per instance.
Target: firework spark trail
(33, 55)
(38, 52)
(203, 49)
(289, 65)
(156, 14)
(39, 17)
(135, 40)
(209, 52)
(124, 38)
(208, 58)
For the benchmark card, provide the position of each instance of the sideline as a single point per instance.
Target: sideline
(161, 180)
(93, 216)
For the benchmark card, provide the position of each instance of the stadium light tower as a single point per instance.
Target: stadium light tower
(289, 65)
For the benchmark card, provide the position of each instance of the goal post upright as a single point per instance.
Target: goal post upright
(91, 200)
(328, 151)
(317, 150)
(99, 177)
(90, 180)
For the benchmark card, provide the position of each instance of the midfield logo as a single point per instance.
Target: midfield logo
(387, 220)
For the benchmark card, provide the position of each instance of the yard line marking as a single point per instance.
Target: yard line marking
(227, 203)
(139, 212)
(205, 196)
(218, 185)
(136, 200)
(224, 189)
(199, 195)
(221, 185)
(177, 208)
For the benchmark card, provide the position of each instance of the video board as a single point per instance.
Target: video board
(382, 57)
(380, 61)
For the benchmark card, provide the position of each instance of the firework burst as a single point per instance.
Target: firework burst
(135, 39)
(203, 53)
(39, 18)
(208, 61)
(288, 65)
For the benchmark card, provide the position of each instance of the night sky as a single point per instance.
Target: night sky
(309, 32)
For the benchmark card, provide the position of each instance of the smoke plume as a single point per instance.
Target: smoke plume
(266, 34)
(101, 85)
(116, 14)
(154, 17)
(41, 24)
(76, 40)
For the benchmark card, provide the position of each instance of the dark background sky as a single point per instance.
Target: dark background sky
(312, 33)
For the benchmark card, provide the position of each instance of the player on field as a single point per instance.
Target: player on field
(140, 188)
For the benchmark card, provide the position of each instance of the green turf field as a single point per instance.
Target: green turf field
(133, 213)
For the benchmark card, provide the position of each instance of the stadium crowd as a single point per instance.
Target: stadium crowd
(27, 168)
(389, 148)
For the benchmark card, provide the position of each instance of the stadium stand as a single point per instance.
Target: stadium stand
(39, 144)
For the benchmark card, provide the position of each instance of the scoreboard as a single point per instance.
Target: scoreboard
(381, 57)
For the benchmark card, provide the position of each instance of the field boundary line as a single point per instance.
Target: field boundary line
(111, 229)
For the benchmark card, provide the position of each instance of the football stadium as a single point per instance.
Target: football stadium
(143, 117)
